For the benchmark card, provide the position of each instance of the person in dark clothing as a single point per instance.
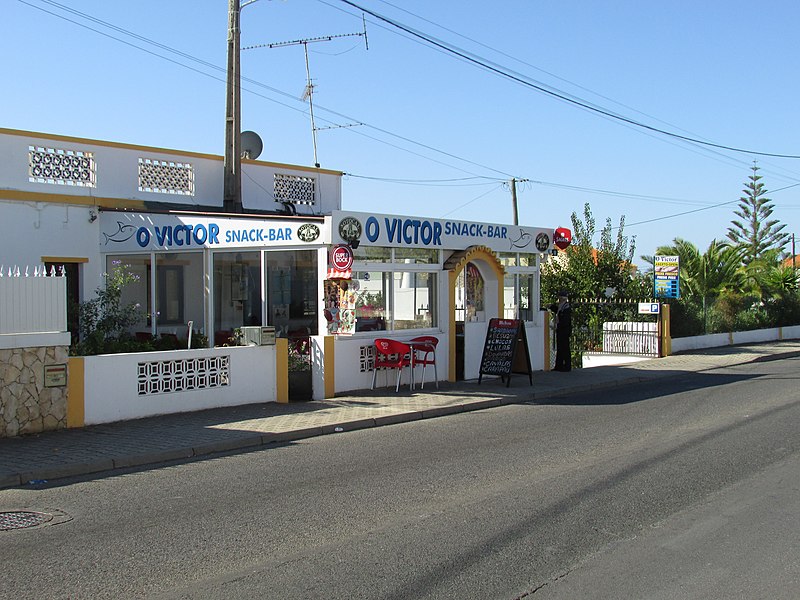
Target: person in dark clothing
(563, 319)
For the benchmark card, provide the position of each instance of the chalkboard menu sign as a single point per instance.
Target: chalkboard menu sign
(505, 340)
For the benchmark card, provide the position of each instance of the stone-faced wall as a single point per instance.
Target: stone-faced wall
(26, 405)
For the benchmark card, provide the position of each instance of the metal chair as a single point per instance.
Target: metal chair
(424, 348)
(391, 354)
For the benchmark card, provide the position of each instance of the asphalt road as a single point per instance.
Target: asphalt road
(687, 488)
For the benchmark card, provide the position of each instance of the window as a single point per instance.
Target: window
(61, 167)
(520, 287)
(372, 290)
(138, 292)
(372, 254)
(294, 188)
(178, 291)
(396, 289)
(237, 293)
(417, 256)
(166, 177)
(292, 292)
(414, 299)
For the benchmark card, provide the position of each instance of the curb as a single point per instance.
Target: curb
(253, 441)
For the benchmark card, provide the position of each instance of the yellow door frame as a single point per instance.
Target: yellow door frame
(454, 265)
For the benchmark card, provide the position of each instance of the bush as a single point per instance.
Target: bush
(686, 318)
(104, 323)
(733, 312)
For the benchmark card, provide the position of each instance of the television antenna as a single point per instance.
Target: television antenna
(308, 92)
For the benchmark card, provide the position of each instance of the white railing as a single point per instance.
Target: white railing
(626, 337)
(32, 300)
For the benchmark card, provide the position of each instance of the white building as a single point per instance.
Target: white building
(87, 204)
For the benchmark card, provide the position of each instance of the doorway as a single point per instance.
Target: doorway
(476, 294)
(72, 271)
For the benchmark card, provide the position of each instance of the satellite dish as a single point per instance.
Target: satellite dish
(251, 145)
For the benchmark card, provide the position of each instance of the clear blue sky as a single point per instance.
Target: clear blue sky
(718, 71)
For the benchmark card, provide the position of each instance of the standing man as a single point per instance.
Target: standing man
(563, 318)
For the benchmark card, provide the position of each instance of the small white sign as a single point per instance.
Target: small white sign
(648, 308)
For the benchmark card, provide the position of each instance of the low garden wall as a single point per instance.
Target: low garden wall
(118, 387)
(30, 401)
(717, 340)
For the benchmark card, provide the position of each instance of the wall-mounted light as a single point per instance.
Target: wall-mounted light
(92, 216)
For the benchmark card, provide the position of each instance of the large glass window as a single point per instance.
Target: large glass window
(402, 295)
(414, 299)
(372, 290)
(237, 293)
(176, 299)
(138, 292)
(179, 291)
(292, 292)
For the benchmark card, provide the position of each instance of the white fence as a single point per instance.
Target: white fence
(31, 301)
(625, 337)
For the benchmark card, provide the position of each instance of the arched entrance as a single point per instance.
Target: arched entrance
(475, 275)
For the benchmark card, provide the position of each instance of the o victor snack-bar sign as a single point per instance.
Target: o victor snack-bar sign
(143, 231)
(415, 232)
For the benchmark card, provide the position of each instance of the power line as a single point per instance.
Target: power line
(257, 83)
(705, 151)
(488, 180)
(494, 189)
(459, 182)
(482, 63)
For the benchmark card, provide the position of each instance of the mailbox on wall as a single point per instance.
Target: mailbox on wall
(258, 336)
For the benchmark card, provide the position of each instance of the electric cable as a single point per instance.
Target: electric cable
(464, 55)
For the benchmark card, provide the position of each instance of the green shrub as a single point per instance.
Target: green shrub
(104, 323)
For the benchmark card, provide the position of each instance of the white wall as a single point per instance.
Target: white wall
(347, 364)
(111, 384)
(534, 333)
(118, 171)
(717, 340)
(32, 230)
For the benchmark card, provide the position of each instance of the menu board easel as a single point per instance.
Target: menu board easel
(503, 350)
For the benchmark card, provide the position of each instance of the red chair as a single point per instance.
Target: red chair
(424, 348)
(391, 354)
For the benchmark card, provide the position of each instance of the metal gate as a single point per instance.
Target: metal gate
(614, 327)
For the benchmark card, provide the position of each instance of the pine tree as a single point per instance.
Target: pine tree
(755, 232)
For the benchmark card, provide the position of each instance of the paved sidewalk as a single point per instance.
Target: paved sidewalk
(53, 455)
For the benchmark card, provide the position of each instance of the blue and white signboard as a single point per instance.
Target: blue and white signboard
(394, 231)
(132, 232)
(666, 279)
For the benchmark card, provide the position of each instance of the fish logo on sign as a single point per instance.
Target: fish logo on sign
(523, 240)
(123, 233)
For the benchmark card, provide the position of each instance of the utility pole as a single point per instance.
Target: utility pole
(232, 198)
(514, 200)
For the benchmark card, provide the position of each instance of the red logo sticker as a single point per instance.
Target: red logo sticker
(342, 257)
